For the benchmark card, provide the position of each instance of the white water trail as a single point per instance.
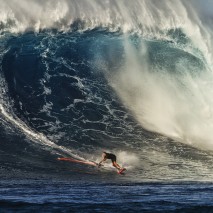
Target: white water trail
(38, 138)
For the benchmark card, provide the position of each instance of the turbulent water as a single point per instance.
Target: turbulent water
(129, 77)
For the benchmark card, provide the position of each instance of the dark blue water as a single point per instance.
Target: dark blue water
(71, 196)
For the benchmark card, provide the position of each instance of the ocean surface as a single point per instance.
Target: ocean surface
(133, 78)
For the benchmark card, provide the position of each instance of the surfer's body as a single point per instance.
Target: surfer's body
(105, 156)
(110, 156)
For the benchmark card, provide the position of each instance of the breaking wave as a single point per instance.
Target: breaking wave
(135, 78)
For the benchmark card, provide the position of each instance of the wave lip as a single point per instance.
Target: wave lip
(125, 15)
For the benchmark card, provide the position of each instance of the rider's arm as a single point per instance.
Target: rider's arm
(102, 161)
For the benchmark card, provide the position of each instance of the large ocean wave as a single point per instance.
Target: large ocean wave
(135, 78)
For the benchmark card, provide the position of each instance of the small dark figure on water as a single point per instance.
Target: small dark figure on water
(110, 156)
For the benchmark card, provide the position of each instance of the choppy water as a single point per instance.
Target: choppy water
(58, 196)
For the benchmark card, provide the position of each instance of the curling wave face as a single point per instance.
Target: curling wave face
(79, 83)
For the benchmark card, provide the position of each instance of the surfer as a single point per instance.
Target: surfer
(105, 156)
(110, 156)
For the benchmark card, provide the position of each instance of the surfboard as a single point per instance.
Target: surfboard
(121, 171)
(91, 163)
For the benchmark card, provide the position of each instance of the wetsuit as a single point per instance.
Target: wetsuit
(110, 156)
